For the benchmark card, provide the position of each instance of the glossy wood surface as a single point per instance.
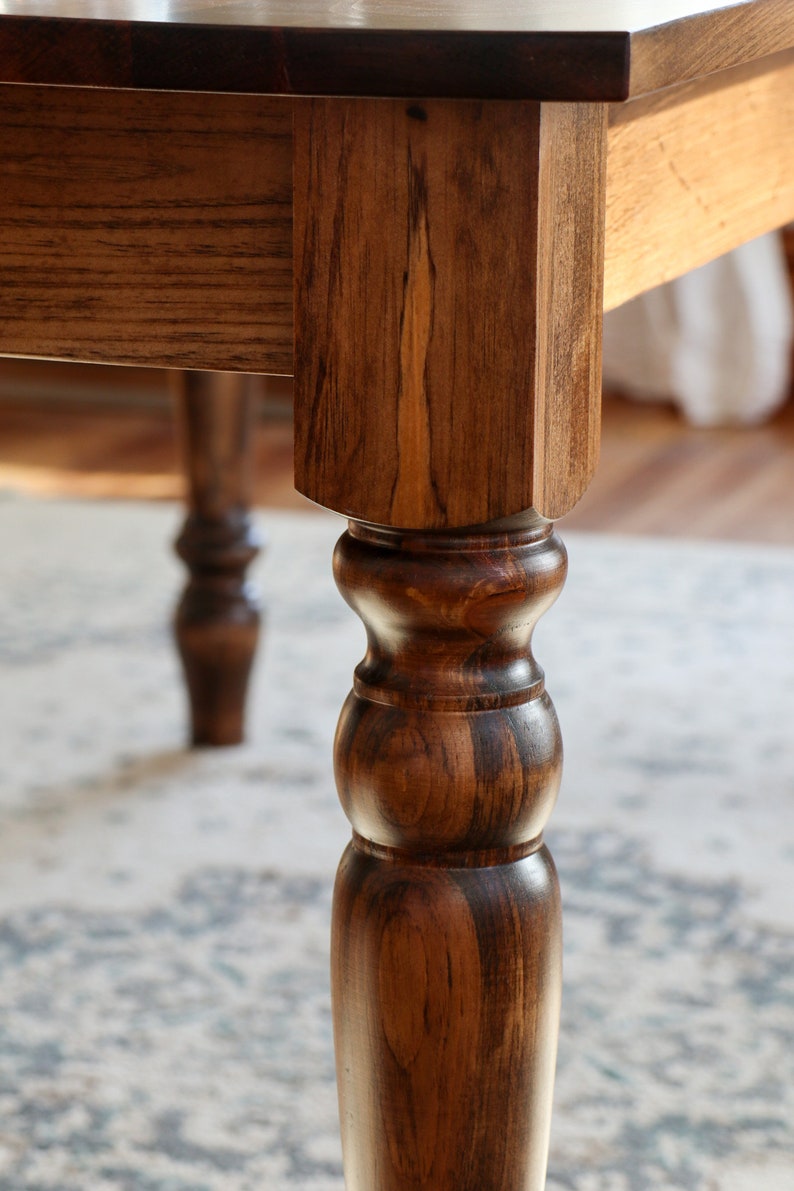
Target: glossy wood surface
(446, 936)
(146, 228)
(217, 621)
(577, 49)
(548, 16)
(448, 306)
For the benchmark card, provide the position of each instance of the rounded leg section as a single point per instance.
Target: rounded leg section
(446, 936)
(446, 986)
(217, 620)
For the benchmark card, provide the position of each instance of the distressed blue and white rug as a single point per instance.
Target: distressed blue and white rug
(164, 1017)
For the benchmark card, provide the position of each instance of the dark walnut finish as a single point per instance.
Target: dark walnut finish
(217, 620)
(446, 936)
(520, 49)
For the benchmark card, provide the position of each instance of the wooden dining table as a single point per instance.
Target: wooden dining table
(421, 211)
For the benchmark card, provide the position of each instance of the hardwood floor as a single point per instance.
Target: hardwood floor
(114, 435)
(657, 475)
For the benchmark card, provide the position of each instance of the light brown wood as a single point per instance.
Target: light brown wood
(448, 288)
(670, 46)
(570, 285)
(683, 174)
(446, 936)
(146, 228)
(661, 195)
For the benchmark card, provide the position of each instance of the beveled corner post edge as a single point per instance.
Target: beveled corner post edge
(449, 282)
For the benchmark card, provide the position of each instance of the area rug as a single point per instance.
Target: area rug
(164, 1014)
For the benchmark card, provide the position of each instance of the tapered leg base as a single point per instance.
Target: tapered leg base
(216, 627)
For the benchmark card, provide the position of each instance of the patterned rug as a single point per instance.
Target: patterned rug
(164, 1017)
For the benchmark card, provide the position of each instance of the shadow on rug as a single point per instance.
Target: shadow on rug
(164, 915)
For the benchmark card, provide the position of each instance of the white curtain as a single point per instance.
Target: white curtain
(717, 342)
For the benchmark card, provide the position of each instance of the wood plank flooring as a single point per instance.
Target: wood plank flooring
(112, 436)
(657, 475)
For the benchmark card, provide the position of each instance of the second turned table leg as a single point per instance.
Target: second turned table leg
(217, 620)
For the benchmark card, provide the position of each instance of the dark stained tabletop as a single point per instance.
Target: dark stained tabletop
(533, 49)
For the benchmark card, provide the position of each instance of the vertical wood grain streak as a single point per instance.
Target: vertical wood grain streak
(448, 296)
(416, 332)
(415, 307)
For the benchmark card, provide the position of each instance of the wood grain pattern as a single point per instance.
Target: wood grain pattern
(77, 283)
(446, 933)
(683, 174)
(147, 229)
(448, 288)
(523, 49)
(217, 620)
(702, 43)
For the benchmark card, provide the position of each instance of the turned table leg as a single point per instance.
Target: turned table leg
(446, 935)
(217, 620)
(448, 273)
